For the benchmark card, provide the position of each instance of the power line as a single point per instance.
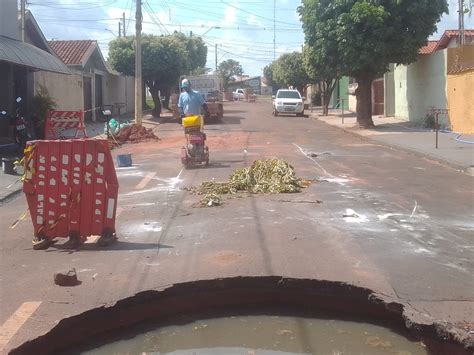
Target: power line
(62, 19)
(63, 7)
(274, 30)
(255, 59)
(261, 17)
(155, 18)
(226, 28)
(130, 14)
(217, 15)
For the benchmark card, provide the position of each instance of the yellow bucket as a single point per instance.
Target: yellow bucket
(192, 121)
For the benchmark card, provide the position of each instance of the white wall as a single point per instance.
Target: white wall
(420, 86)
(119, 89)
(352, 97)
(65, 89)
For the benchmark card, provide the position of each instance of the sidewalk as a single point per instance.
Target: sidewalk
(405, 135)
(10, 185)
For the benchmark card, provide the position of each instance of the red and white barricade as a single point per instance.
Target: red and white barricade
(71, 188)
(65, 125)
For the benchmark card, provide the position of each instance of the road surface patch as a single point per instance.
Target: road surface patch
(142, 184)
(15, 322)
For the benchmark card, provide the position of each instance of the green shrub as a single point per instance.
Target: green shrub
(42, 103)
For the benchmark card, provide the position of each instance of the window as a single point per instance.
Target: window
(288, 95)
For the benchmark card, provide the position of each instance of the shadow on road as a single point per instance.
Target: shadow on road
(119, 245)
(218, 165)
(232, 119)
(232, 111)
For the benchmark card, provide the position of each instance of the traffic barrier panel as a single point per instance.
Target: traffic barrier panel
(60, 123)
(71, 188)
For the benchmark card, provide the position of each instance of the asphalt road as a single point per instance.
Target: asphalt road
(398, 224)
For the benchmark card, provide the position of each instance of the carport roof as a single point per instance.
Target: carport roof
(25, 54)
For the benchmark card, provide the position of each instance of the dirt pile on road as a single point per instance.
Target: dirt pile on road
(265, 176)
(135, 134)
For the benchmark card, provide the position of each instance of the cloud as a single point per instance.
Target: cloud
(253, 21)
(230, 16)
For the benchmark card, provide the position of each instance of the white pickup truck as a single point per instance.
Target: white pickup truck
(238, 94)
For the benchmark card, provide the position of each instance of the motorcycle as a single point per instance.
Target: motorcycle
(12, 146)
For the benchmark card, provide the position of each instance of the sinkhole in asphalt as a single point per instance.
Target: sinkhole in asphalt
(249, 315)
(264, 334)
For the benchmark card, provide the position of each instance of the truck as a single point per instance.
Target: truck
(238, 94)
(210, 86)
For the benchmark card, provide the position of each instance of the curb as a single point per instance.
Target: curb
(461, 168)
(12, 195)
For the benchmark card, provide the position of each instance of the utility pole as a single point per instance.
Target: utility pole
(274, 29)
(216, 57)
(120, 29)
(138, 63)
(23, 12)
(123, 24)
(462, 37)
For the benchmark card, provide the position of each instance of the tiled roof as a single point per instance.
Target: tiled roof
(429, 48)
(443, 43)
(461, 69)
(72, 52)
(450, 34)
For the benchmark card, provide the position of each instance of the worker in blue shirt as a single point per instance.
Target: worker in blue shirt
(190, 101)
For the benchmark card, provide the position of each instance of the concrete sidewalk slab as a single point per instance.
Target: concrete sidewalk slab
(405, 135)
(10, 185)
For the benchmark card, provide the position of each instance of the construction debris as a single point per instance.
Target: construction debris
(134, 134)
(68, 278)
(211, 200)
(265, 176)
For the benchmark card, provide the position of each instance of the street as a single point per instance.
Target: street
(376, 217)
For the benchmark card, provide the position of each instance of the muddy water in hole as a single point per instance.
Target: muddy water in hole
(266, 335)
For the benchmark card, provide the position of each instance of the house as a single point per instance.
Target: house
(412, 90)
(460, 89)
(340, 96)
(266, 89)
(378, 96)
(254, 83)
(20, 60)
(92, 84)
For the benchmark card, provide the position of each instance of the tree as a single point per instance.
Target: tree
(195, 48)
(165, 59)
(268, 74)
(200, 71)
(228, 70)
(289, 70)
(323, 69)
(368, 35)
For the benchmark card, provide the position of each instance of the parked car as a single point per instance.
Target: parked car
(238, 94)
(288, 101)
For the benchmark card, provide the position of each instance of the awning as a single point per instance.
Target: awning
(25, 54)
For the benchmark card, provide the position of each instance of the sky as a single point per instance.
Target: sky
(241, 29)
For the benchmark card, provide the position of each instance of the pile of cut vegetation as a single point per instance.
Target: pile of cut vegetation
(265, 176)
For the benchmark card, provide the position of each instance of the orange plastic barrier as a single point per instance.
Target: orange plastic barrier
(71, 187)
